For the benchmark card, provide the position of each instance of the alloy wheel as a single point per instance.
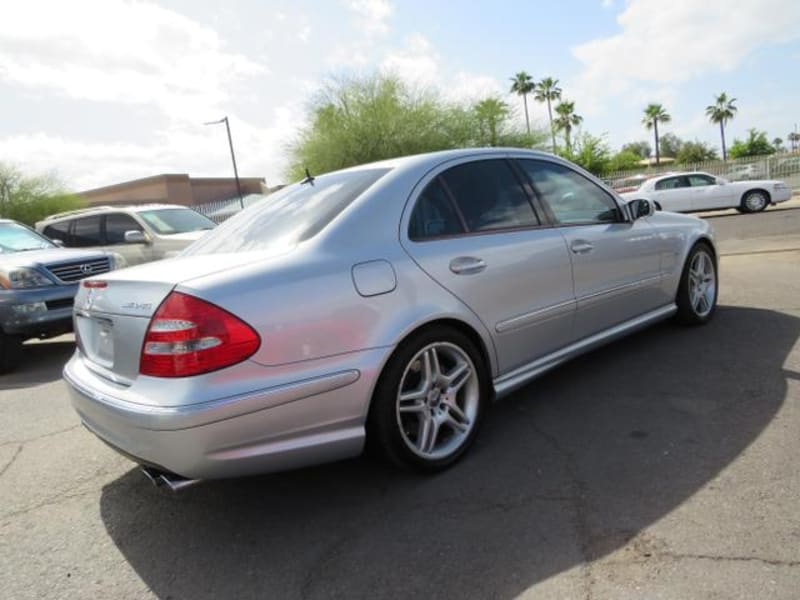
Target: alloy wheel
(438, 400)
(702, 283)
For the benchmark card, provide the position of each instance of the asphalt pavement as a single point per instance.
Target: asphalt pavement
(664, 465)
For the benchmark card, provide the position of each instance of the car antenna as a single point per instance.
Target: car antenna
(308, 179)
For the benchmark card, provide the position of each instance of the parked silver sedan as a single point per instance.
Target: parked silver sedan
(389, 302)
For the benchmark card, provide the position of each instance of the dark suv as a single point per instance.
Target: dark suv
(38, 281)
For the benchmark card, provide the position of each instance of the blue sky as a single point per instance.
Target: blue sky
(101, 91)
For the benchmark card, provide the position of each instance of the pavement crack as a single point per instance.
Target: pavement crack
(723, 558)
(12, 461)
(39, 437)
(578, 498)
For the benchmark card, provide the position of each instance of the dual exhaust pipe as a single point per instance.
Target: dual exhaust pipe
(175, 483)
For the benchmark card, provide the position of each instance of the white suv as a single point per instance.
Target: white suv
(139, 233)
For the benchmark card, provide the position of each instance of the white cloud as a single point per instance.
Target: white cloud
(109, 50)
(372, 15)
(417, 62)
(684, 39)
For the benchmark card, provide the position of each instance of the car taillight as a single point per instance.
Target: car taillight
(188, 336)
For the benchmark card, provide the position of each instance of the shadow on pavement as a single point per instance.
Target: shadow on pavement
(41, 362)
(565, 471)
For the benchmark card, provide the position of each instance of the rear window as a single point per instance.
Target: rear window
(292, 215)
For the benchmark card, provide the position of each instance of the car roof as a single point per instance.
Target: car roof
(91, 210)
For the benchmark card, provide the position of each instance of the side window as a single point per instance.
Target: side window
(700, 180)
(571, 197)
(87, 232)
(116, 226)
(672, 183)
(434, 214)
(489, 196)
(58, 231)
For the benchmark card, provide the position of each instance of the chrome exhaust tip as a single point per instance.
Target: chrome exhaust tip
(174, 482)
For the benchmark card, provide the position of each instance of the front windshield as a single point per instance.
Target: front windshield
(294, 214)
(17, 238)
(166, 221)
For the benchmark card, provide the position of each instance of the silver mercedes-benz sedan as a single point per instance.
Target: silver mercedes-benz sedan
(388, 302)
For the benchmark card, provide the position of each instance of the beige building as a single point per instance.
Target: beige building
(174, 189)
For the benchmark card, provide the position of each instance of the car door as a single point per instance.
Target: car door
(616, 262)
(116, 224)
(707, 194)
(474, 230)
(673, 193)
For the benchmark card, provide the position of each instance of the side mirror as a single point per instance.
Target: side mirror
(640, 208)
(59, 243)
(135, 237)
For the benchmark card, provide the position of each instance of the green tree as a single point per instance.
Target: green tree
(642, 149)
(590, 152)
(522, 85)
(624, 160)
(29, 199)
(722, 111)
(695, 152)
(777, 143)
(360, 120)
(670, 145)
(756, 144)
(566, 120)
(547, 90)
(492, 113)
(653, 115)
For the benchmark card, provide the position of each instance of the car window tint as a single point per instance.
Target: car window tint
(116, 226)
(700, 180)
(434, 214)
(489, 195)
(571, 197)
(58, 231)
(672, 183)
(87, 232)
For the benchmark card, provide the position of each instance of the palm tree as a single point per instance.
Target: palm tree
(491, 112)
(523, 84)
(721, 112)
(547, 90)
(566, 120)
(653, 114)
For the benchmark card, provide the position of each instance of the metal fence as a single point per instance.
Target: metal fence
(219, 210)
(785, 167)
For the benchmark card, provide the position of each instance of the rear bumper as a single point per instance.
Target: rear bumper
(782, 195)
(276, 428)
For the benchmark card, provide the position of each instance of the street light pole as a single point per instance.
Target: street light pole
(233, 156)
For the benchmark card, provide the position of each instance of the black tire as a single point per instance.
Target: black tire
(754, 201)
(10, 351)
(691, 309)
(389, 429)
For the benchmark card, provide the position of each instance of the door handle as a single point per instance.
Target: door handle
(467, 265)
(581, 247)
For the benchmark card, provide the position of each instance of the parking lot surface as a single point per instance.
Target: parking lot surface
(664, 465)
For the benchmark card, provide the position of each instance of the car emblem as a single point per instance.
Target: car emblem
(86, 269)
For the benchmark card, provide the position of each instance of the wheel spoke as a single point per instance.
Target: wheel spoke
(457, 377)
(456, 424)
(455, 411)
(426, 435)
(413, 406)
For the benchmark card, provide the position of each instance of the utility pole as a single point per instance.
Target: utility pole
(233, 156)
